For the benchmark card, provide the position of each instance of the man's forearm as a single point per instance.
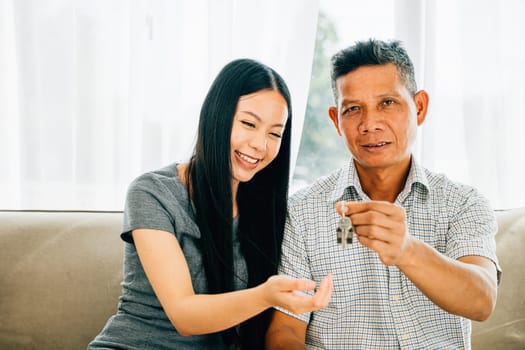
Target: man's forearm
(285, 332)
(283, 339)
(466, 287)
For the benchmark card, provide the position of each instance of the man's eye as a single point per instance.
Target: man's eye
(350, 109)
(388, 102)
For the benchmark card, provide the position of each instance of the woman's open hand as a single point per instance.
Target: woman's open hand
(290, 293)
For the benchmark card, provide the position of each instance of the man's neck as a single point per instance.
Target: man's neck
(383, 184)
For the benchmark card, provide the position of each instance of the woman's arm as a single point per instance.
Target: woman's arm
(167, 271)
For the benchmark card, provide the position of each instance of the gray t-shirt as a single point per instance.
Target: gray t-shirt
(158, 200)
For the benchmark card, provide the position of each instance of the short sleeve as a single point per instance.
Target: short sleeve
(145, 207)
(472, 229)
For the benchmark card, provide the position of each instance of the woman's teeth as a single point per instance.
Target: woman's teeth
(247, 158)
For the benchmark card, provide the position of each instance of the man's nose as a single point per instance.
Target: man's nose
(370, 121)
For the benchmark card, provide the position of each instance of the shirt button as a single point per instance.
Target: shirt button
(395, 297)
(404, 336)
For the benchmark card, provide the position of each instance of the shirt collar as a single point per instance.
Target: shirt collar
(416, 181)
(349, 181)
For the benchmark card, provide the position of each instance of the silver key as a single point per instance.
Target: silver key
(345, 230)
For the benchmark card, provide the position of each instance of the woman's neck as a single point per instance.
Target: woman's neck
(235, 188)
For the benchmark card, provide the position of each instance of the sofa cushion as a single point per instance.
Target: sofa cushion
(505, 329)
(60, 276)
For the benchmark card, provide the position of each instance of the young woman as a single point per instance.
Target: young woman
(203, 238)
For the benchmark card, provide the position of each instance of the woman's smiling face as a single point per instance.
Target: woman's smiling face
(258, 126)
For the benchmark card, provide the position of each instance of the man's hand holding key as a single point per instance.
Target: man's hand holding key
(380, 226)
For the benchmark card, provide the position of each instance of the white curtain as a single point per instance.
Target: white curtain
(95, 92)
(470, 57)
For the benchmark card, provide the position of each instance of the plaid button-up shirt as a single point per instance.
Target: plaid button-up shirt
(374, 306)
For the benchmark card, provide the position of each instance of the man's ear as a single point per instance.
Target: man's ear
(421, 99)
(334, 115)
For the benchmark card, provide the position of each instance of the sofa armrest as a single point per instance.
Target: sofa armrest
(505, 329)
(60, 275)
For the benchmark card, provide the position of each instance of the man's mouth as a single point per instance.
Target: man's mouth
(247, 158)
(376, 145)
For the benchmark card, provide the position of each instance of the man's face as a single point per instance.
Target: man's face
(377, 116)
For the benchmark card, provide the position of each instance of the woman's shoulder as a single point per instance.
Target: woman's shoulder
(164, 182)
(158, 200)
(151, 179)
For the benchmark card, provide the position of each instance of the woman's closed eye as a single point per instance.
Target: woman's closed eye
(248, 124)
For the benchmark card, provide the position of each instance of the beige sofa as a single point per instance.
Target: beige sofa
(60, 276)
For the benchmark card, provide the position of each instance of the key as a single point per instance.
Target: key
(345, 230)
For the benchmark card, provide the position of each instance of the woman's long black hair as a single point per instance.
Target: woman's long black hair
(261, 201)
